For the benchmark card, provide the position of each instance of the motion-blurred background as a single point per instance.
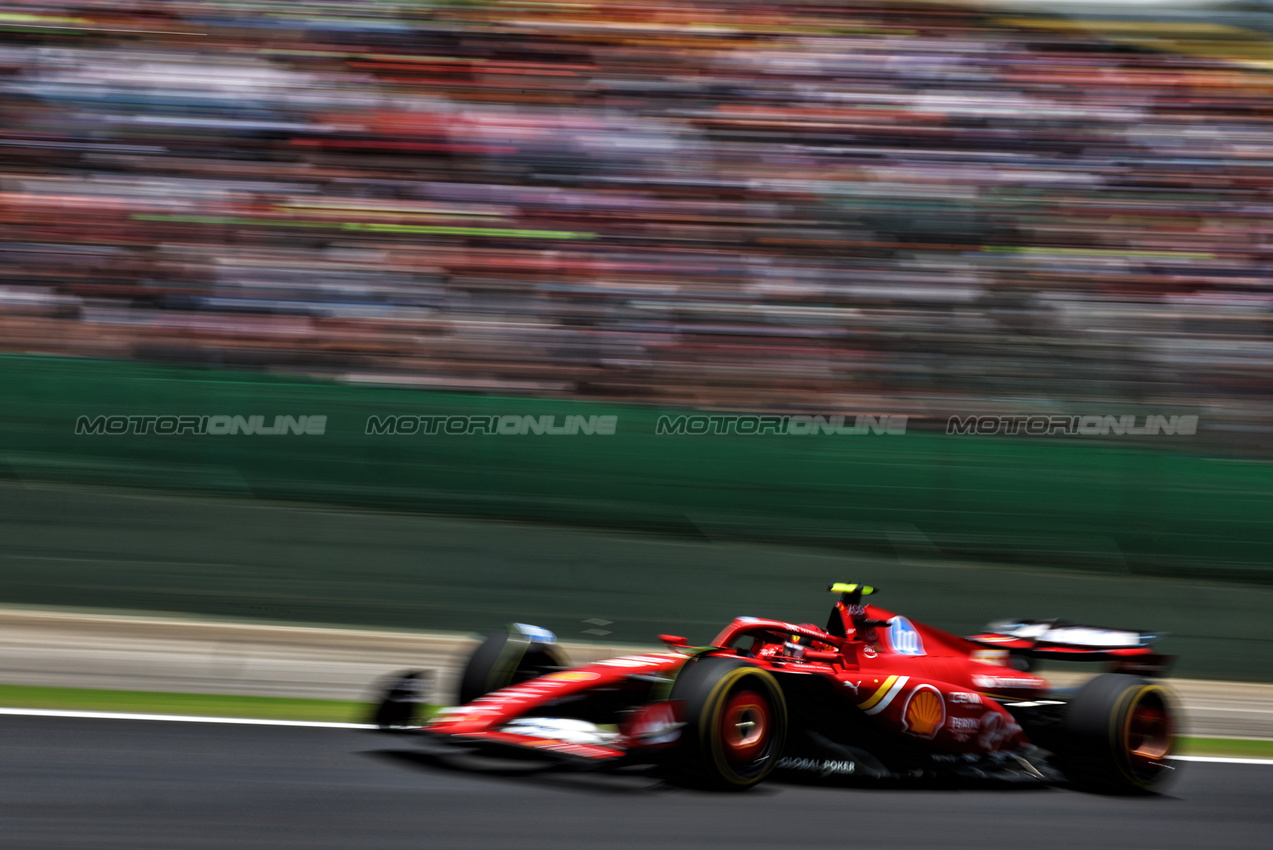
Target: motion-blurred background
(364, 208)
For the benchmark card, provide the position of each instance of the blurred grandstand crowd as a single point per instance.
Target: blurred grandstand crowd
(790, 205)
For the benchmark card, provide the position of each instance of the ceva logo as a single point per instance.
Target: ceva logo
(904, 637)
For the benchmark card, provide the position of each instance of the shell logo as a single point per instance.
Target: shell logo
(925, 711)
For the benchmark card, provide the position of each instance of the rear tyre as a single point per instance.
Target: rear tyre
(1120, 733)
(735, 724)
(506, 659)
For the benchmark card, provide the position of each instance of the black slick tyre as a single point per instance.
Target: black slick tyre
(1119, 735)
(735, 724)
(401, 696)
(505, 659)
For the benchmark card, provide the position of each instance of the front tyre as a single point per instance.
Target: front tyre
(1120, 734)
(398, 707)
(735, 724)
(507, 658)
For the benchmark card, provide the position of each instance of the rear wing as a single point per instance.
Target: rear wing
(1130, 651)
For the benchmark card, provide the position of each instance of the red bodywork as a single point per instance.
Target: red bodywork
(910, 679)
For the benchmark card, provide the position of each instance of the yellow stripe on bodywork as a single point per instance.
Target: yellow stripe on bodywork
(888, 697)
(878, 695)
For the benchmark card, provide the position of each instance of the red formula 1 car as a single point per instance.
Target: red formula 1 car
(871, 696)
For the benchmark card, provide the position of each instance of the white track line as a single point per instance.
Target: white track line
(318, 724)
(1222, 760)
(178, 718)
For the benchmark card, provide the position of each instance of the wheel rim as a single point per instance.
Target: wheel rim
(1149, 733)
(746, 727)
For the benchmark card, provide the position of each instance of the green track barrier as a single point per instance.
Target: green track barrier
(1126, 534)
(1143, 506)
(249, 559)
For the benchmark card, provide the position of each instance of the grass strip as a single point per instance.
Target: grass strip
(1252, 748)
(208, 705)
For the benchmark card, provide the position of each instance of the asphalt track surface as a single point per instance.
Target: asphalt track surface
(80, 783)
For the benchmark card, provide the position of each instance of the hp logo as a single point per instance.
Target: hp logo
(905, 638)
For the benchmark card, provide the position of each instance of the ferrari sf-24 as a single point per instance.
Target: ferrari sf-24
(872, 696)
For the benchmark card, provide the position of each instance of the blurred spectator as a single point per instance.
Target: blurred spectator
(783, 204)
